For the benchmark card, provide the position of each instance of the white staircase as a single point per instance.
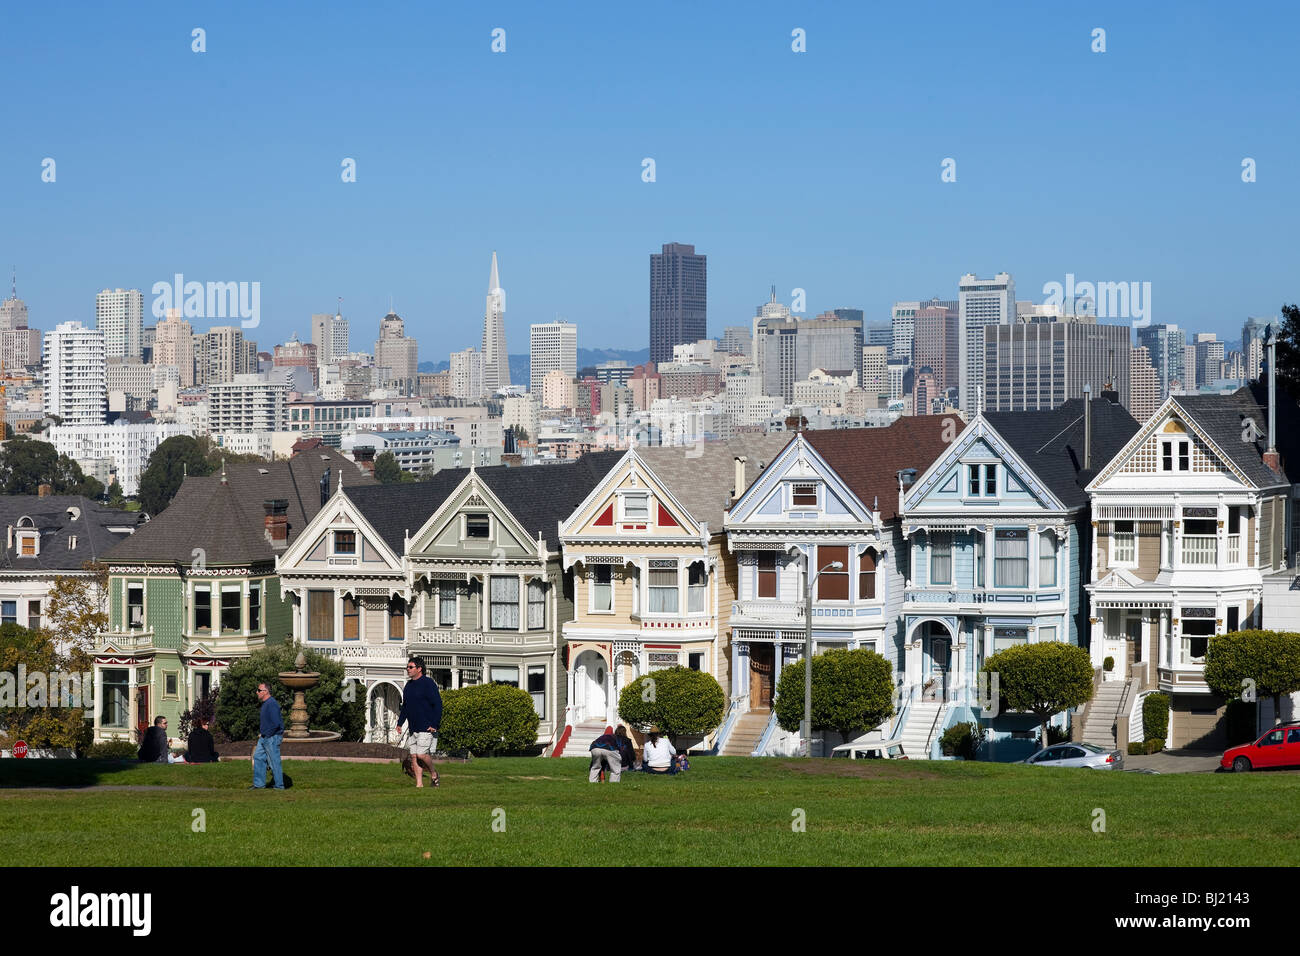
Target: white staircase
(579, 744)
(1099, 723)
(921, 717)
(746, 733)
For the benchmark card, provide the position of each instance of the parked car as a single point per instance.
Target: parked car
(1077, 755)
(1279, 747)
(871, 750)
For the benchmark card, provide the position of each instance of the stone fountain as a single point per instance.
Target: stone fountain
(300, 681)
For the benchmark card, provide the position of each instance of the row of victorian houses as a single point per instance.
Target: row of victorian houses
(933, 542)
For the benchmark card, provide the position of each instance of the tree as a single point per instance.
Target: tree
(1042, 679)
(115, 497)
(76, 611)
(1246, 664)
(26, 464)
(331, 704)
(1288, 352)
(387, 470)
(167, 467)
(680, 701)
(487, 719)
(852, 692)
(39, 710)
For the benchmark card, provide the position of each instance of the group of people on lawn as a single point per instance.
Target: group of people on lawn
(421, 712)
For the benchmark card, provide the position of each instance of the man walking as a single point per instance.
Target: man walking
(270, 734)
(422, 713)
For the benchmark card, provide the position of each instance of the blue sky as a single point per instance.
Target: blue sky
(817, 170)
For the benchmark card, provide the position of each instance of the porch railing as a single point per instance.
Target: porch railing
(778, 611)
(1200, 549)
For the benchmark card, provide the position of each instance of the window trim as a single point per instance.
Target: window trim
(1056, 559)
(505, 604)
(175, 675)
(676, 590)
(126, 610)
(334, 544)
(998, 560)
(933, 552)
(529, 602)
(774, 571)
(1115, 534)
(816, 492)
(622, 507)
(464, 526)
(333, 599)
(455, 603)
(231, 589)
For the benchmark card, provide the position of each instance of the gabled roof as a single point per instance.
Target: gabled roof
(869, 459)
(53, 518)
(701, 477)
(227, 519)
(1223, 419)
(1051, 443)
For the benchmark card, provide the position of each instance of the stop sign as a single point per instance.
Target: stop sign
(20, 749)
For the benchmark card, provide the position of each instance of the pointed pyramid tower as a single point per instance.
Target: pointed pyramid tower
(496, 364)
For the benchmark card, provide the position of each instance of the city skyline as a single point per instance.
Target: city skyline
(1133, 188)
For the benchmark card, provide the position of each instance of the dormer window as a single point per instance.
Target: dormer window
(72, 542)
(804, 496)
(1175, 455)
(636, 507)
(983, 481)
(477, 526)
(29, 545)
(345, 542)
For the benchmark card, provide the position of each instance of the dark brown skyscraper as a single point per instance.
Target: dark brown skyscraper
(678, 299)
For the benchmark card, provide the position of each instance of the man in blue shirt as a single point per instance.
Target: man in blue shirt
(269, 737)
(422, 713)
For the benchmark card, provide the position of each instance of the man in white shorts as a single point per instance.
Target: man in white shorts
(422, 713)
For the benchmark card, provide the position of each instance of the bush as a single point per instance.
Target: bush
(1057, 735)
(330, 705)
(113, 750)
(1108, 664)
(1136, 748)
(682, 702)
(1154, 745)
(852, 692)
(1155, 717)
(961, 740)
(1042, 679)
(487, 719)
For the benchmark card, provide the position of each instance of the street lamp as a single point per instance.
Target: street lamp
(805, 725)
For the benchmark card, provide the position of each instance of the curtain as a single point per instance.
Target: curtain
(320, 615)
(1047, 559)
(505, 603)
(536, 605)
(663, 591)
(1011, 559)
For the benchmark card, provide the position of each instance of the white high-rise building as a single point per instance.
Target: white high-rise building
(119, 315)
(467, 375)
(329, 333)
(552, 346)
(248, 404)
(496, 364)
(75, 374)
(981, 302)
(126, 447)
(397, 353)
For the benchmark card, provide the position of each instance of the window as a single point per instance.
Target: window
(255, 608)
(1273, 738)
(695, 586)
(1124, 543)
(135, 605)
(1234, 520)
(979, 573)
(1011, 558)
(1175, 452)
(1046, 634)
(941, 559)
(397, 620)
(1196, 638)
(504, 603)
(202, 684)
(231, 610)
(504, 675)
(351, 619)
(536, 605)
(115, 711)
(974, 480)
(171, 684)
(1234, 619)
(663, 591)
(8, 612)
(832, 585)
(477, 526)
(695, 660)
(804, 496)
(320, 615)
(27, 545)
(1004, 637)
(983, 481)
(446, 603)
(867, 575)
(202, 609)
(1047, 560)
(33, 614)
(766, 574)
(990, 481)
(636, 507)
(602, 588)
(345, 542)
(537, 688)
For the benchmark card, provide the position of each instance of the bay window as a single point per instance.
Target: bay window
(1123, 543)
(867, 575)
(202, 608)
(767, 574)
(602, 588)
(320, 615)
(446, 603)
(232, 606)
(833, 583)
(115, 711)
(351, 618)
(536, 605)
(695, 588)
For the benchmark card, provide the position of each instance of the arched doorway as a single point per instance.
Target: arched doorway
(931, 666)
(385, 704)
(589, 696)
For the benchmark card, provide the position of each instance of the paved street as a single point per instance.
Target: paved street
(1175, 761)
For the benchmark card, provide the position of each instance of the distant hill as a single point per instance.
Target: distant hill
(586, 357)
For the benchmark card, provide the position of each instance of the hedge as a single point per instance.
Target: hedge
(487, 719)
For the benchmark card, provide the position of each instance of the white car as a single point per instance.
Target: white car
(871, 750)
(1077, 755)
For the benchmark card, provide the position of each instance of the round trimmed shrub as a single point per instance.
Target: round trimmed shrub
(682, 702)
(852, 692)
(487, 719)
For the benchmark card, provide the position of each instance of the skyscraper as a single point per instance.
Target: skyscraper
(174, 345)
(551, 346)
(935, 345)
(679, 286)
(1144, 385)
(1167, 346)
(397, 353)
(119, 314)
(981, 302)
(75, 374)
(467, 374)
(496, 364)
(1040, 365)
(329, 333)
(1252, 344)
(786, 349)
(13, 310)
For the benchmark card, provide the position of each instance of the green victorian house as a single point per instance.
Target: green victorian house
(196, 588)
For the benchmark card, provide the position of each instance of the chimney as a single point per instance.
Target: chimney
(1087, 427)
(1271, 457)
(277, 522)
(906, 478)
(44, 491)
(739, 482)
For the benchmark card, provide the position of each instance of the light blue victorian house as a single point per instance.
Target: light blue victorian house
(1000, 542)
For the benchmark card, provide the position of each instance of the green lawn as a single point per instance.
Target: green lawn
(728, 811)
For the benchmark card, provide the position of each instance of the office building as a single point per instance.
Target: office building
(1166, 344)
(1040, 365)
(13, 310)
(467, 375)
(552, 346)
(119, 315)
(737, 340)
(397, 353)
(1252, 345)
(935, 346)
(329, 333)
(678, 299)
(1144, 385)
(74, 371)
(980, 303)
(221, 353)
(496, 363)
(174, 345)
(875, 369)
(295, 354)
(248, 404)
(787, 349)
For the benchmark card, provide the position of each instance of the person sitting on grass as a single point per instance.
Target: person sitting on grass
(154, 747)
(659, 753)
(200, 745)
(626, 752)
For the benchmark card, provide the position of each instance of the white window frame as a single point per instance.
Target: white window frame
(126, 607)
(981, 469)
(356, 543)
(592, 584)
(1176, 454)
(817, 492)
(32, 536)
(1115, 560)
(464, 526)
(455, 602)
(622, 507)
(194, 609)
(1046, 536)
(677, 577)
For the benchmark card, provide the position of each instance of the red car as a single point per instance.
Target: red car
(1279, 747)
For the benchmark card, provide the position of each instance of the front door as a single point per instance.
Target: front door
(939, 654)
(142, 721)
(589, 687)
(762, 658)
(1117, 645)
